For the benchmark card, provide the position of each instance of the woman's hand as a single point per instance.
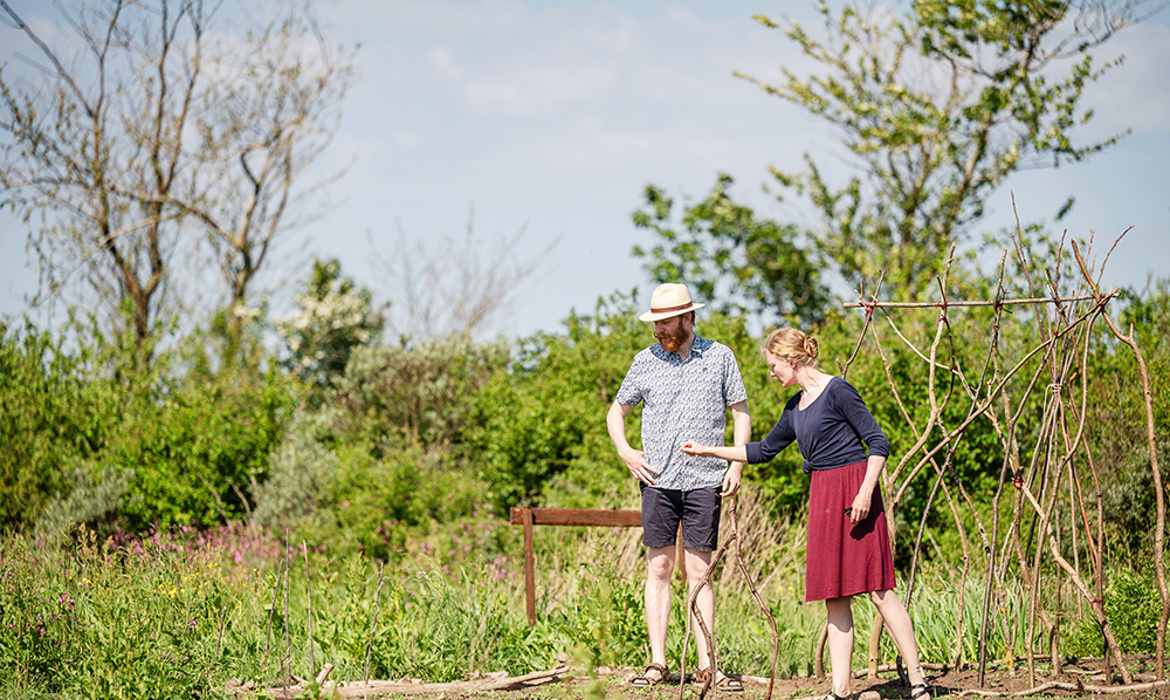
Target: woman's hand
(696, 449)
(861, 503)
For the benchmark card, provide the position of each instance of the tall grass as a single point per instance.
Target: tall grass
(179, 614)
(139, 619)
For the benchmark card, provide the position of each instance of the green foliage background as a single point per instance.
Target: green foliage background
(184, 507)
(414, 436)
(187, 482)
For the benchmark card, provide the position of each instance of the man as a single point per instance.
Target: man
(686, 384)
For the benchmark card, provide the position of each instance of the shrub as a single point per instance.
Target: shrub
(197, 450)
(423, 394)
(405, 501)
(52, 415)
(300, 471)
(547, 413)
(96, 494)
(334, 317)
(1133, 606)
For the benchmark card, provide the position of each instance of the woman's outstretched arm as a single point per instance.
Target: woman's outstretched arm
(737, 453)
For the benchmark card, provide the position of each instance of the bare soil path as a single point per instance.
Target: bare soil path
(1079, 679)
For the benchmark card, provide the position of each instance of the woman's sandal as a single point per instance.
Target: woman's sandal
(646, 680)
(832, 695)
(726, 683)
(923, 690)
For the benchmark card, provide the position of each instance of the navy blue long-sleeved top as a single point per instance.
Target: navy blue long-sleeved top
(833, 431)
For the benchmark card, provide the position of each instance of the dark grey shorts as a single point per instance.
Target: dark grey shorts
(697, 510)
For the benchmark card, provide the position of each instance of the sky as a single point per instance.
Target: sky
(551, 117)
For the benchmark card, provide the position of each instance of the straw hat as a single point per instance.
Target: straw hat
(669, 299)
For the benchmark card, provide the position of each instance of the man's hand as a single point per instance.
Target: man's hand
(731, 479)
(636, 463)
(615, 423)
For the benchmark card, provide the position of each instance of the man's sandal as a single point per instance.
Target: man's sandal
(726, 683)
(646, 680)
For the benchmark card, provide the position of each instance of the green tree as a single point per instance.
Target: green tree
(335, 316)
(937, 107)
(738, 261)
(539, 432)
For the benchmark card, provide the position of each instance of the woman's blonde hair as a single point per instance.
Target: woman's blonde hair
(791, 345)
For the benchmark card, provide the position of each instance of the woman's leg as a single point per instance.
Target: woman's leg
(898, 622)
(840, 614)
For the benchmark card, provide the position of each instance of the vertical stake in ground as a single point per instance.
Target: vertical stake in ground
(529, 566)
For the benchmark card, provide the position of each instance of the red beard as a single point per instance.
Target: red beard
(669, 342)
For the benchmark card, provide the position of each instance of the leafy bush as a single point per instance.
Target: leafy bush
(52, 415)
(95, 438)
(1133, 606)
(197, 451)
(96, 494)
(300, 470)
(411, 501)
(539, 434)
(423, 394)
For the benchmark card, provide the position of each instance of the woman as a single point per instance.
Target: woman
(848, 539)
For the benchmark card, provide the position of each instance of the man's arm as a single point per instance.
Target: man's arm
(615, 423)
(741, 421)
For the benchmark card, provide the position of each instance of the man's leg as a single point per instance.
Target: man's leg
(659, 567)
(661, 511)
(697, 564)
(701, 538)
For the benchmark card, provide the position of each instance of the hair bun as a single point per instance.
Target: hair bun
(810, 347)
(790, 344)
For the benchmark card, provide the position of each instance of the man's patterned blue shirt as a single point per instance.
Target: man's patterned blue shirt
(684, 400)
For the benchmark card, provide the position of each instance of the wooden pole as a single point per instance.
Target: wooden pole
(529, 566)
(996, 303)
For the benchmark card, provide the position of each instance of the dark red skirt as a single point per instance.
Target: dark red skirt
(844, 560)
